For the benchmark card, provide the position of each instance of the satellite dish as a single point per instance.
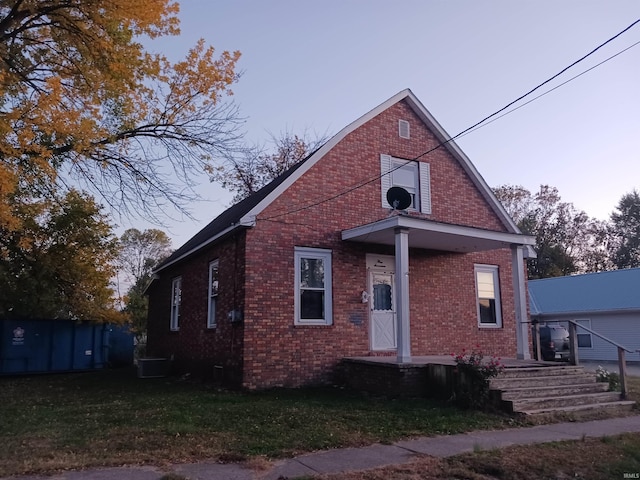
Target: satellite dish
(398, 198)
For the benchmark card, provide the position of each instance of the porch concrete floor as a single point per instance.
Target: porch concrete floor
(424, 360)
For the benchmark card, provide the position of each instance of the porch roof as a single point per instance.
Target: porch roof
(432, 235)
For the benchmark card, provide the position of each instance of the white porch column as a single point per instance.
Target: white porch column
(520, 301)
(402, 294)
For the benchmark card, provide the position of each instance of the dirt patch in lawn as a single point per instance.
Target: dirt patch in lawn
(593, 459)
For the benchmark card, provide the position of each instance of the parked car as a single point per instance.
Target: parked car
(554, 342)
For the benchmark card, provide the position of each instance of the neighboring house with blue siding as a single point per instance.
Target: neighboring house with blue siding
(605, 302)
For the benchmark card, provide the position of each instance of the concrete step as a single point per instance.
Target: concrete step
(547, 390)
(554, 390)
(506, 383)
(513, 372)
(526, 404)
(608, 408)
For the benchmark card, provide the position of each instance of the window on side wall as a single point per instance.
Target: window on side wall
(488, 296)
(212, 294)
(414, 177)
(584, 337)
(313, 302)
(176, 300)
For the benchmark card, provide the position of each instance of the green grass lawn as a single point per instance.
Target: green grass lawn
(111, 417)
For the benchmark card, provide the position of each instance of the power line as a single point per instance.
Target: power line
(545, 82)
(485, 121)
(550, 90)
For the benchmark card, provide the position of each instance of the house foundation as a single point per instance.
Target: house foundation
(421, 376)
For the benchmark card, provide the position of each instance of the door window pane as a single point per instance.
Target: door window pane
(382, 297)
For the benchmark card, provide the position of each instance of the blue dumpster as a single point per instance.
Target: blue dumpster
(121, 346)
(39, 346)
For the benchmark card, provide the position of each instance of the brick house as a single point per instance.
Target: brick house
(316, 266)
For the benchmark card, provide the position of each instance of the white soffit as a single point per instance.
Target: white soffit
(431, 235)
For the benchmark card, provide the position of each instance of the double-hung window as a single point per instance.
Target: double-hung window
(212, 294)
(413, 176)
(313, 302)
(176, 300)
(584, 337)
(488, 296)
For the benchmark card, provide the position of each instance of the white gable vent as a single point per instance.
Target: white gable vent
(403, 128)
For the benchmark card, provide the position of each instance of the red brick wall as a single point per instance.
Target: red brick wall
(257, 271)
(194, 347)
(442, 285)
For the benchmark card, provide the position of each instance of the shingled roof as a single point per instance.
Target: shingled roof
(244, 213)
(228, 221)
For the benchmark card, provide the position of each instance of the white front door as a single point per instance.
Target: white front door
(383, 311)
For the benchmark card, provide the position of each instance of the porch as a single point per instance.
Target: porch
(526, 387)
(404, 231)
(428, 376)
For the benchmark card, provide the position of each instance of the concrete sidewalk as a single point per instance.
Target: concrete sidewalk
(348, 459)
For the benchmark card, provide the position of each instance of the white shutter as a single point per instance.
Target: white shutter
(385, 178)
(425, 187)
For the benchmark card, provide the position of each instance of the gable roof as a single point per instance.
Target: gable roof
(431, 123)
(244, 213)
(613, 291)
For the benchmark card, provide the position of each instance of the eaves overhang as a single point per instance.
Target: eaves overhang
(427, 234)
(215, 238)
(581, 313)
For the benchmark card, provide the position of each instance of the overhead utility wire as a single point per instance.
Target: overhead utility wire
(472, 127)
(541, 85)
(462, 134)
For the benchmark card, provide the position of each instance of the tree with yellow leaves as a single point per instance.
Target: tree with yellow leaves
(83, 103)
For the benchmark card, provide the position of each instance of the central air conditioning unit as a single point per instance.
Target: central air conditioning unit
(153, 367)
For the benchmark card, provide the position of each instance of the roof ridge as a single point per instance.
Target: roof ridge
(244, 213)
(580, 275)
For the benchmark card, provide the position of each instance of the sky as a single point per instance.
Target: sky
(317, 66)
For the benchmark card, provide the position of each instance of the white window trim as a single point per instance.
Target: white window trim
(587, 323)
(176, 302)
(212, 321)
(325, 256)
(493, 269)
(423, 182)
